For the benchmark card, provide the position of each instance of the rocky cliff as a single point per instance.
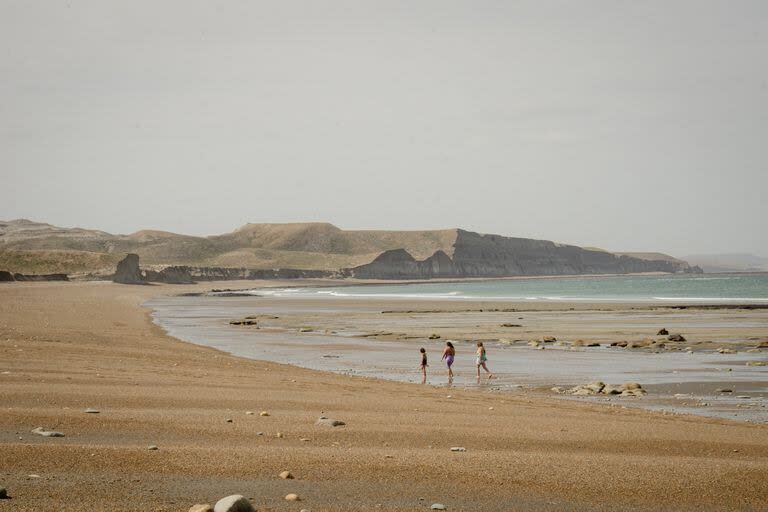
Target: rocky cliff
(476, 255)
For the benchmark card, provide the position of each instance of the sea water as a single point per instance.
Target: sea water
(722, 289)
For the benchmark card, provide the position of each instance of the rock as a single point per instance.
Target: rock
(581, 391)
(511, 325)
(292, 497)
(756, 363)
(128, 271)
(91, 411)
(286, 475)
(593, 344)
(723, 390)
(534, 343)
(662, 332)
(6, 276)
(762, 344)
(724, 350)
(610, 389)
(579, 343)
(328, 422)
(47, 433)
(557, 389)
(438, 506)
(3, 493)
(549, 339)
(228, 420)
(631, 386)
(243, 322)
(458, 449)
(201, 508)
(279, 435)
(234, 503)
(675, 337)
(306, 329)
(596, 386)
(152, 447)
(249, 413)
(263, 413)
(434, 336)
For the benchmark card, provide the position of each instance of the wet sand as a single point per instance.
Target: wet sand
(366, 336)
(65, 347)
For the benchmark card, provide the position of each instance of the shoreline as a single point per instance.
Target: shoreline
(153, 389)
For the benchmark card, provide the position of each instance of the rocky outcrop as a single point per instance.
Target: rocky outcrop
(169, 275)
(128, 271)
(8, 276)
(477, 255)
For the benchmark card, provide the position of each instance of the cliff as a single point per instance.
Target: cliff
(476, 255)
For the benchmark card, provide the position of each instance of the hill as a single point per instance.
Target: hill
(734, 262)
(34, 247)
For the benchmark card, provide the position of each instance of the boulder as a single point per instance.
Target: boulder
(234, 503)
(128, 271)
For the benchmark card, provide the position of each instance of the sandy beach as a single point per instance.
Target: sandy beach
(66, 347)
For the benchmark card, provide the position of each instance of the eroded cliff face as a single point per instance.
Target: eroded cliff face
(476, 255)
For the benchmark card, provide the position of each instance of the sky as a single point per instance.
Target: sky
(625, 125)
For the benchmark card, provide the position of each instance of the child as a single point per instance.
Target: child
(448, 354)
(423, 365)
(481, 359)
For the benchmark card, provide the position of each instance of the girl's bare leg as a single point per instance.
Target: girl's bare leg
(490, 375)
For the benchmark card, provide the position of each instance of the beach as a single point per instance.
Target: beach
(67, 347)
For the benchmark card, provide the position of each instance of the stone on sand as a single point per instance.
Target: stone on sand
(263, 413)
(91, 411)
(549, 339)
(3, 493)
(292, 497)
(662, 332)
(328, 422)
(152, 447)
(201, 507)
(286, 475)
(675, 337)
(47, 433)
(234, 503)
(128, 271)
(438, 506)
(458, 449)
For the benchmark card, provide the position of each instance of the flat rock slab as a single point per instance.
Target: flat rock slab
(91, 411)
(328, 422)
(234, 503)
(47, 433)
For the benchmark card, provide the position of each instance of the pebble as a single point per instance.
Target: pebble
(234, 503)
(263, 413)
(152, 447)
(286, 475)
(438, 506)
(228, 420)
(47, 433)
(490, 408)
(91, 411)
(201, 508)
(279, 435)
(33, 476)
(259, 433)
(3, 493)
(249, 413)
(292, 497)
(304, 439)
(458, 449)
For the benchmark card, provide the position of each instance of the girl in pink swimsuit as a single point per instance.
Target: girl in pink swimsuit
(448, 354)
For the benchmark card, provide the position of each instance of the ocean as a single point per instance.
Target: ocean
(722, 288)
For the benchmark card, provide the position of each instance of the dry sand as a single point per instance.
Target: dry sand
(70, 346)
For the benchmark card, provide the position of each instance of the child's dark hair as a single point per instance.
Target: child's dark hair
(422, 350)
(449, 344)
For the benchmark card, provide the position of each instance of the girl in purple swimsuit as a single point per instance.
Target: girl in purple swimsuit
(448, 354)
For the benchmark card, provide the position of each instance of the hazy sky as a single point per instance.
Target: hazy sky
(620, 124)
